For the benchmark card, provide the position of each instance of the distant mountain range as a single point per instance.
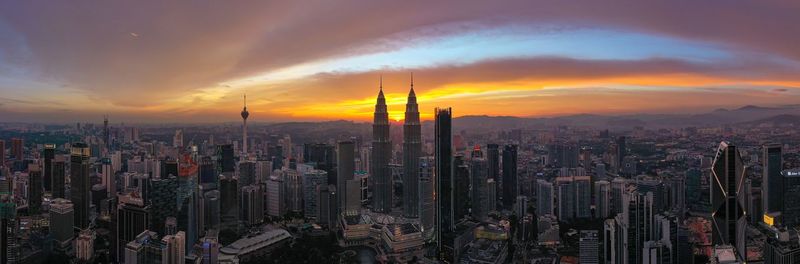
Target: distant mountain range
(748, 115)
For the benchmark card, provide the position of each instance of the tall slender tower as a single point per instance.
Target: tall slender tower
(106, 138)
(245, 115)
(80, 183)
(443, 173)
(772, 184)
(728, 217)
(412, 150)
(381, 154)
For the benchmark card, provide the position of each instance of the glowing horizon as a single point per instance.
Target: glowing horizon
(168, 62)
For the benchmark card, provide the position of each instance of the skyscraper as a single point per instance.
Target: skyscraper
(589, 251)
(544, 197)
(728, 220)
(426, 190)
(106, 136)
(17, 149)
(48, 155)
(345, 172)
(461, 194)
(381, 156)
(80, 183)
(602, 198)
(510, 184)
(245, 115)
(412, 150)
(59, 174)
(2, 153)
(622, 150)
(312, 181)
(132, 220)
(443, 155)
(493, 166)
(478, 179)
(34, 189)
(772, 183)
(61, 218)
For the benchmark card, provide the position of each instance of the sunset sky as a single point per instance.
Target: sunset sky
(168, 61)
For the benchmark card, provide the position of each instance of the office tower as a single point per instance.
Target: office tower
(565, 186)
(583, 197)
(207, 173)
(229, 203)
(2, 153)
(493, 165)
(163, 202)
(173, 248)
(602, 198)
(772, 164)
(633, 227)
(781, 248)
(312, 179)
(80, 183)
(345, 172)
(108, 177)
(544, 198)
(326, 204)
(84, 245)
(106, 135)
(145, 247)
(609, 241)
(618, 188)
(61, 221)
(225, 159)
(9, 246)
(728, 216)
(381, 156)
(17, 148)
(412, 150)
(276, 196)
(478, 179)
(426, 196)
(461, 188)
(443, 155)
(245, 115)
(790, 206)
(521, 206)
(678, 193)
(622, 149)
(655, 252)
(211, 209)
(586, 158)
(132, 220)
(510, 184)
(168, 167)
(491, 195)
(251, 205)
(294, 191)
(34, 189)
(48, 155)
(649, 185)
(247, 173)
(589, 252)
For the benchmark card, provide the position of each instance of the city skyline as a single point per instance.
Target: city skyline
(177, 63)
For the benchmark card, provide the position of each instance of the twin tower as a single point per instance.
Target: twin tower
(382, 155)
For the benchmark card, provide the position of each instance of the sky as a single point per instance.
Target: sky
(173, 61)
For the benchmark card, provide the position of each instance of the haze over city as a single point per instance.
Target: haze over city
(321, 60)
